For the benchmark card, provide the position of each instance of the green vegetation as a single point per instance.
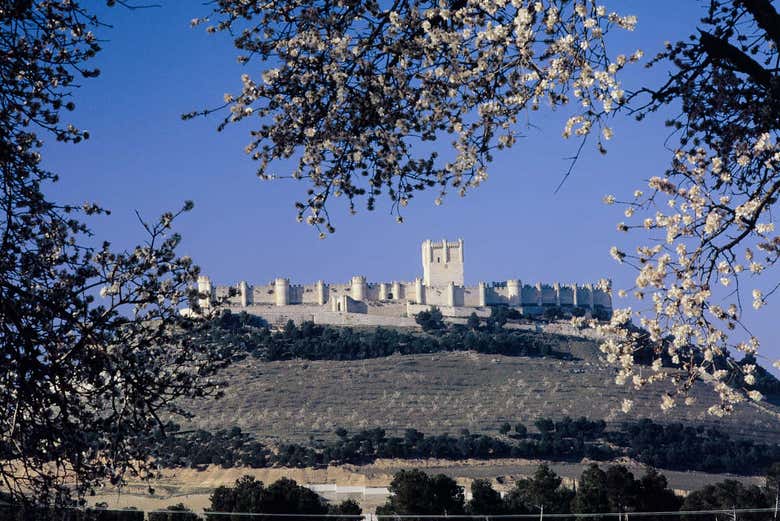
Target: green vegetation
(430, 320)
(176, 512)
(676, 447)
(730, 494)
(542, 491)
(415, 493)
(664, 446)
(12, 511)
(612, 490)
(317, 342)
(284, 496)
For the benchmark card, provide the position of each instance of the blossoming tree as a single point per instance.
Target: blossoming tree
(350, 89)
(92, 345)
(709, 217)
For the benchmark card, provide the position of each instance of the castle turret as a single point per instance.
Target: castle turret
(382, 291)
(575, 301)
(513, 291)
(396, 291)
(358, 289)
(322, 293)
(419, 291)
(557, 288)
(206, 291)
(481, 295)
(243, 289)
(282, 291)
(451, 294)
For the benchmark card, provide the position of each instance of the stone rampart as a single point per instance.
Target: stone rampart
(441, 285)
(283, 293)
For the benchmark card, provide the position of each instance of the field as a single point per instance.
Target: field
(194, 487)
(446, 392)
(380, 473)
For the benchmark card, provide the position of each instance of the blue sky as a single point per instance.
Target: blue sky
(143, 157)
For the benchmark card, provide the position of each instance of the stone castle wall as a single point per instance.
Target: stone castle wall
(509, 293)
(441, 286)
(280, 315)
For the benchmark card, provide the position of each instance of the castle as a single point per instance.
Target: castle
(396, 303)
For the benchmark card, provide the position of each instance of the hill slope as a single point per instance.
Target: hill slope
(446, 392)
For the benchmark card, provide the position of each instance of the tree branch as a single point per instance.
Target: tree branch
(721, 50)
(766, 17)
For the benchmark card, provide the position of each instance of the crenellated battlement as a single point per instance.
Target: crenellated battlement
(441, 285)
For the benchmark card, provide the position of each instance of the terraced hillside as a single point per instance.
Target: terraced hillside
(447, 392)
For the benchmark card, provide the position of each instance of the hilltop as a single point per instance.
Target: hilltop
(524, 376)
(286, 417)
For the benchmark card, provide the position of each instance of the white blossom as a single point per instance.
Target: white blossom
(702, 214)
(322, 99)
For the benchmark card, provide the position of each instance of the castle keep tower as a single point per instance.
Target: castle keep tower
(442, 263)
